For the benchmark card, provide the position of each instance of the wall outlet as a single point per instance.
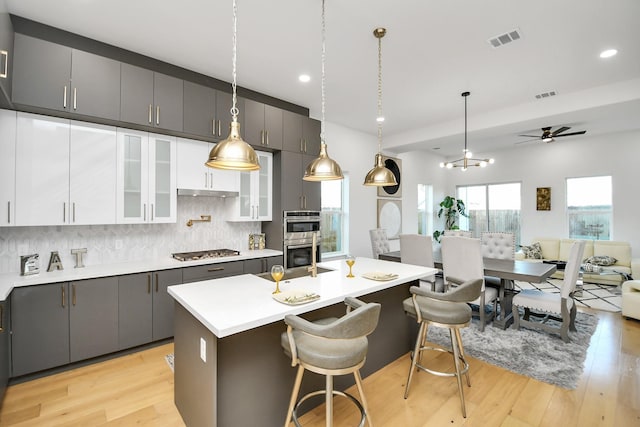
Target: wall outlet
(203, 350)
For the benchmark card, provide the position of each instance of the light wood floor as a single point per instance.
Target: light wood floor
(138, 389)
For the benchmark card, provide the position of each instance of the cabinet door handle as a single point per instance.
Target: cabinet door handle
(75, 98)
(151, 211)
(210, 270)
(64, 97)
(261, 137)
(63, 296)
(74, 211)
(156, 282)
(305, 145)
(144, 212)
(9, 212)
(219, 127)
(304, 198)
(157, 115)
(148, 283)
(267, 132)
(301, 145)
(5, 64)
(150, 113)
(73, 294)
(64, 211)
(213, 127)
(206, 179)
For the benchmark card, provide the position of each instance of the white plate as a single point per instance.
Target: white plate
(295, 296)
(377, 275)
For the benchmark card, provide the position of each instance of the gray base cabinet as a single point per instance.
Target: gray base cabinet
(135, 300)
(163, 303)
(5, 346)
(93, 318)
(212, 271)
(39, 327)
(261, 265)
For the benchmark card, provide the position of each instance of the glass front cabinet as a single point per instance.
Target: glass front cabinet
(256, 188)
(146, 177)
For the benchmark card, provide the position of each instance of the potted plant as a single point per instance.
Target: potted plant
(451, 208)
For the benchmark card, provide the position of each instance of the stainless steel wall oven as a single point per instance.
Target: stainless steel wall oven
(298, 228)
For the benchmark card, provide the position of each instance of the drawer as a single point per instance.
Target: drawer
(212, 271)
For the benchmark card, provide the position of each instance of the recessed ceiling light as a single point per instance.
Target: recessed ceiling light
(304, 78)
(608, 53)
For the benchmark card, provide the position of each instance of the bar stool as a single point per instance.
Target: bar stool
(332, 346)
(446, 310)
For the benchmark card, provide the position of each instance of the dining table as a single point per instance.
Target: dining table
(507, 271)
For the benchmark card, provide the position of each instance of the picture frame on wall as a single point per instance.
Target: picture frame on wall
(543, 198)
(390, 217)
(395, 166)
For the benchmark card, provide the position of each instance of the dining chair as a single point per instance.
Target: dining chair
(329, 347)
(417, 249)
(546, 306)
(379, 242)
(462, 261)
(498, 245)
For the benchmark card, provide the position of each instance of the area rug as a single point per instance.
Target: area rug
(169, 359)
(535, 354)
(592, 295)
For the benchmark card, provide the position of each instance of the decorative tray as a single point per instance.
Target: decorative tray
(295, 296)
(377, 275)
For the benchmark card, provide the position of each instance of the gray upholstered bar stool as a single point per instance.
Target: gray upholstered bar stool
(446, 310)
(332, 346)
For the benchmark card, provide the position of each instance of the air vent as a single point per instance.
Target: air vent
(502, 39)
(546, 94)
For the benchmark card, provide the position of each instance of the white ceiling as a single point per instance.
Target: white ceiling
(433, 51)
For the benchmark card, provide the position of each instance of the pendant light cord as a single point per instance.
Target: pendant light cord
(322, 135)
(380, 118)
(234, 109)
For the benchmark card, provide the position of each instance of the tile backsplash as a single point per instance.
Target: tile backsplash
(107, 244)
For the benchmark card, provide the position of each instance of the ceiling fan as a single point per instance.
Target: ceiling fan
(549, 136)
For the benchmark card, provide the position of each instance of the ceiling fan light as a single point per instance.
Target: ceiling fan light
(547, 139)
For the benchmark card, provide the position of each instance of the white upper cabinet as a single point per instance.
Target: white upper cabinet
(194, 175)
(256, 190)
(64, 172)
(146, 177)
(7, 168)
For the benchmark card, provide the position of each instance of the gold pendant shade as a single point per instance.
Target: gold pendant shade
(380, 176)
(233, 153)
(323, 168)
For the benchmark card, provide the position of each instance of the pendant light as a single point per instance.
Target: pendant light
(467, 157)
(234, 153)
(380, 176)
(323, 168)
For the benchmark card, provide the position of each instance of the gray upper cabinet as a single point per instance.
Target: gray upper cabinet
(93, 318)
(301, 134)
(39, 327)
(151, 99)
(295, 192)
(6, 55)
(56, 77)
(163, 305)
(262, 125)
(199, 110)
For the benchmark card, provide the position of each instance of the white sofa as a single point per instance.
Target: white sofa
(554, 249)
(631, 299)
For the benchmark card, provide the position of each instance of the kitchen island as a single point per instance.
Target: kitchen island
(229, 367)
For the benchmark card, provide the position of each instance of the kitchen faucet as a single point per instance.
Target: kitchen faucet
(313, 268)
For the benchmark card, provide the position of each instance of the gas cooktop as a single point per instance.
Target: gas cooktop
(213, 253)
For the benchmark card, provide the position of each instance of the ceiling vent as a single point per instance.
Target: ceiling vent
(502, 39)
(546, 94)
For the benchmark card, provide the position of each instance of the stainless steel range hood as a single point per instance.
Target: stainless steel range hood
(207, 193)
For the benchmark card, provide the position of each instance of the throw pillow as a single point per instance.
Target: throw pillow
(601, 260)
(534, 251)
(591, 268)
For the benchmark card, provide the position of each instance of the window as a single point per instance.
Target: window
(335, 217)
(493, 207)
(589, 207)
(425, 209)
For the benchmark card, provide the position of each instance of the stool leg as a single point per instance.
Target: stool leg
(416, 355)
(329, 400)
(456, 360)
(294, 394)
(363, 399)
(461, 347)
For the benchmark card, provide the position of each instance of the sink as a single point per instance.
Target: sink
(293, 273)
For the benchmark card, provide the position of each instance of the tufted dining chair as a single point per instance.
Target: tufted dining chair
(458, 233)
(498, 245)
(462, 261)
(379, 242)
(560, 307)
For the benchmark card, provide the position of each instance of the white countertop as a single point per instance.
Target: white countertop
(235, 304)
(12, 280)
